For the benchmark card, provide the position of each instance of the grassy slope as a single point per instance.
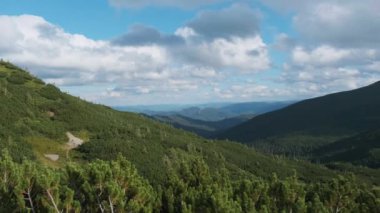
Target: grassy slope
(28, 130)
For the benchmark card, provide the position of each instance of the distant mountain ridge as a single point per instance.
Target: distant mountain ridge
(332, 123)
(218, 113)
(209, 119)
(362, 149)
(206, 129)
(338, 114)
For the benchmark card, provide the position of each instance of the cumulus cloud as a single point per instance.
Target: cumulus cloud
(171, 3)
(374, 66)
(140, 35)
(321, 55)
(241, 54)
(348, 23)
(238, 20)
(326, 69)
(143, 61)
(72, 55)
(336, 47)
(224, 39)
(227, 38)
(71, 59)
(314, 81)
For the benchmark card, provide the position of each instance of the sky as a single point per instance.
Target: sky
(129, 52)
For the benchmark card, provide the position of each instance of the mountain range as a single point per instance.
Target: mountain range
(220, 111)
(208, 120)
(335, 121)
(207, 129)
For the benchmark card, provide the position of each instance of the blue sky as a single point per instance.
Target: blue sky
(97, 20)
(127, 52)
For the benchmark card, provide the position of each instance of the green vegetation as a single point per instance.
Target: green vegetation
(116, 186)
(362, 149)
(36, 117)
(148, 166)
(95, 187)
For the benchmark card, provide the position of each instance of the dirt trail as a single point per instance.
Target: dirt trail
(73, 142)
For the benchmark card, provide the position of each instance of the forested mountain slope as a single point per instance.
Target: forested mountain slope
(36, 118)
(315, 121)
(362, 149)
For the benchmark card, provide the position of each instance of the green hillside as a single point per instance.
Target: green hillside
(314, 122)
(35, 118)
(361, 149)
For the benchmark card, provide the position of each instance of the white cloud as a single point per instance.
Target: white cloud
(201, 72)
(348, 23)
(320, 55)
(76, 61)
(243, 54)
(238, 20)
(246, 54)
(312, 81)
(71, 59)
(250, 92)
(374, 66)
(43, 47)
(185, 32)
(336, 48)
(325, 70)
(330, 13)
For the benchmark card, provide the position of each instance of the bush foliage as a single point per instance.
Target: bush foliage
(115, 186)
